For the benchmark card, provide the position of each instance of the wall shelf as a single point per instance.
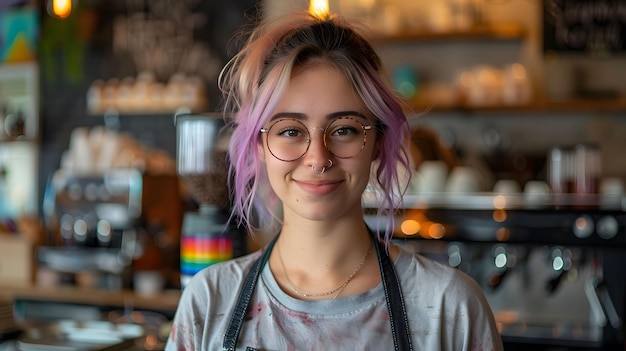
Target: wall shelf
(111, 112)
(540, 106)
(485, 32)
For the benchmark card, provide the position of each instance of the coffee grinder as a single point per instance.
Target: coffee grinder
(206, 235)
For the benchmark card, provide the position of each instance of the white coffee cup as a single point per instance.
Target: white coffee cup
(536, 192)
(611, 186)
(611, 191)
(432, 177)
(463, 180)
(507, 186)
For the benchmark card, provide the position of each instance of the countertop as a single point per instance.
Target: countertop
(163, 301)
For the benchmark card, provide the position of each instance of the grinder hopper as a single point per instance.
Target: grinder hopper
(206, 237)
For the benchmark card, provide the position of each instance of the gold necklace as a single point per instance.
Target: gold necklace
(337, 291)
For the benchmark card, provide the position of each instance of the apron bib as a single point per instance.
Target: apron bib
(391, 286)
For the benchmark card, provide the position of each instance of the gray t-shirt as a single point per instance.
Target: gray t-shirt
(446, 310)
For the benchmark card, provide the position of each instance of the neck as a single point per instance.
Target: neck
(350, 222)
(326, 242)
(316, 265)
(332, 293)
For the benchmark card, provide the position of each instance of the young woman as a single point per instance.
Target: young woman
(316, 123)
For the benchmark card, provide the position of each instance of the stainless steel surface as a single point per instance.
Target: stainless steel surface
(491, 200)
(552, 271)
(198, 136)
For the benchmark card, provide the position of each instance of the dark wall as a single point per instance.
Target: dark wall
(79, 50)
(595, 28)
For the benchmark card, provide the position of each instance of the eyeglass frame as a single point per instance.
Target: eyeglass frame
(364, 127)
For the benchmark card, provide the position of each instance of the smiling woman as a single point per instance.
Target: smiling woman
(315, 123)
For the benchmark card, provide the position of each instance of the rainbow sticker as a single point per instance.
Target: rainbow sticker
(198, 251)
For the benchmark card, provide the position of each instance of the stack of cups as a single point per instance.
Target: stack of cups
(574, 170)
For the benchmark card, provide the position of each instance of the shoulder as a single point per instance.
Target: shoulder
(207, 302)
(449, 303)
(224, 277)
(413, 267)
(425, 279)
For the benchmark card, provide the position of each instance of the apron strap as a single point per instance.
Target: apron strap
(391, 286)
(236, 320)
(395, 300)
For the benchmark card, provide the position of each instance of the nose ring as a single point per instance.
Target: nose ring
(324, 168)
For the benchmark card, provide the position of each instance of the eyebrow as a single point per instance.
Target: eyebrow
(302, 116)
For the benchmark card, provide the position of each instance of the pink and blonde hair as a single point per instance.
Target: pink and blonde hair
(253, 83)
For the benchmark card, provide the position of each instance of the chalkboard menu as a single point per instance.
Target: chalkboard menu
(596, 27)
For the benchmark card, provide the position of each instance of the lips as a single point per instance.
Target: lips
(319, 188)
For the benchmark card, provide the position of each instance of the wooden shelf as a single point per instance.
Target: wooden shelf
(544, 106)
(486, 32)
(17, 141)
(139, 112)
(164, 301)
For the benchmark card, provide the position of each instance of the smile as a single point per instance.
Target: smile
(318, 188)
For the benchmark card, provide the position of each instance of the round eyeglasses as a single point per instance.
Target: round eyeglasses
(288, 139)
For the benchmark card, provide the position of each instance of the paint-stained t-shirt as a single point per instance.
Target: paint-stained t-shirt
(446, 310)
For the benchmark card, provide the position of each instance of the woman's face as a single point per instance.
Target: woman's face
(316, 96)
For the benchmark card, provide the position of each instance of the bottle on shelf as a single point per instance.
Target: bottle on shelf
(15, 125)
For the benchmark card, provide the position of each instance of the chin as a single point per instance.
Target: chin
(326, 212)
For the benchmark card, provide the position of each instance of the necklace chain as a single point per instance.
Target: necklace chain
(336, 291)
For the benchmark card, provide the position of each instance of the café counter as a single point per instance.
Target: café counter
(72, 318)
(164, 302)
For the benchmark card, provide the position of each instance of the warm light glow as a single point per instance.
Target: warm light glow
(518, 71)
(410, 227)
(319, 8)
(61, 8)
(581, 223)
(424, 230)
(499, 202)
(432, 230)
(499, 216)
(503, 234)
(150, 343)
(437, 231)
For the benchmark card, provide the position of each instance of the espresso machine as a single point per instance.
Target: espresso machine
(553, 272)
(207, 236)
(93, 220)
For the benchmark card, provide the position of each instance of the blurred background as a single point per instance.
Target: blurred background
(112, 182)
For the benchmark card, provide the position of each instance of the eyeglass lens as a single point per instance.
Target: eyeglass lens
(288, 139)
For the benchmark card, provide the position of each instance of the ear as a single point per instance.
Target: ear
(377, 147)
(261, 151)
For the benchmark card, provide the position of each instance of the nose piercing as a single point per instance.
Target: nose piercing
(320, 172)
(330, 164)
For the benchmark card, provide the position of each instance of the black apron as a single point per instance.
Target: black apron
(391, 285)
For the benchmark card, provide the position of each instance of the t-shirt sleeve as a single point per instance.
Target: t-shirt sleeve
(188, 323)
(206, 304)
(447, 309)
(473, 326)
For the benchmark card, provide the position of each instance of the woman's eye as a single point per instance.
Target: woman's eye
(290, 132)
(344, 131)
